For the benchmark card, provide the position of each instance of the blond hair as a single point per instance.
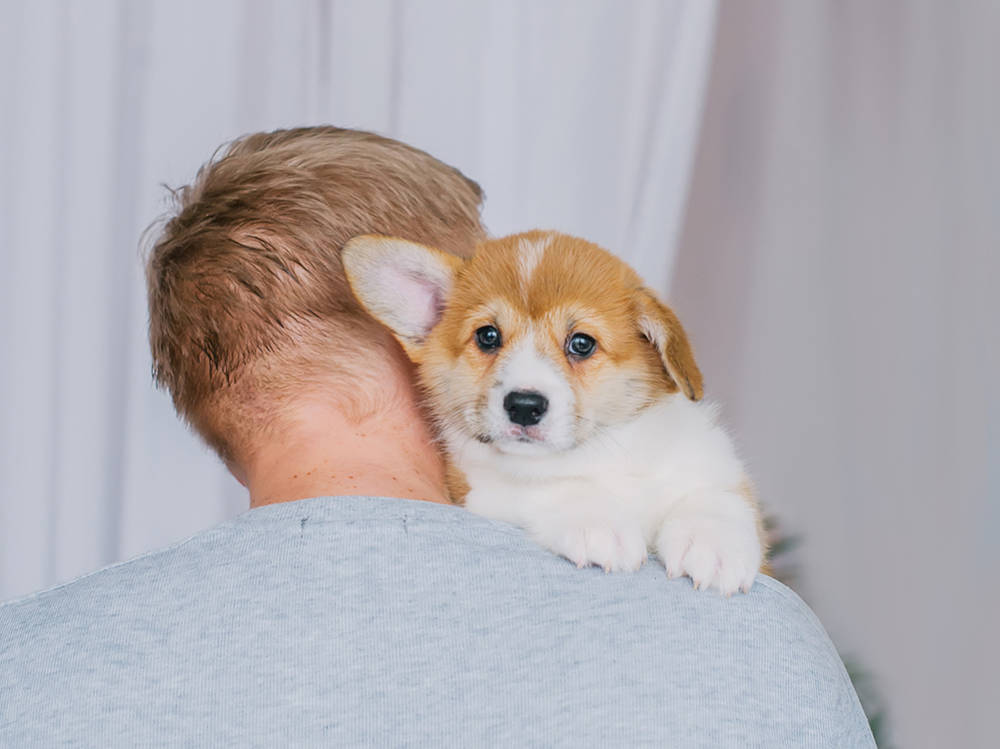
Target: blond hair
(248, 301)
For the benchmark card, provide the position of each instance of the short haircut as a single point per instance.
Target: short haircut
(248, 302)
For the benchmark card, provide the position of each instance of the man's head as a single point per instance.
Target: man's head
(249, 308)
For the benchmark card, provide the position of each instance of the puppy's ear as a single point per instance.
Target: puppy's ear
(659, 324)
(402, 284)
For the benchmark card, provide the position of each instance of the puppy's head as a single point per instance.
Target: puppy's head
(536, 344)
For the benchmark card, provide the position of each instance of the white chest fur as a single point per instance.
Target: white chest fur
(669, 480)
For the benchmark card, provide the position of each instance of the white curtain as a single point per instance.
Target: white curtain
(576, 115)
(839, 271)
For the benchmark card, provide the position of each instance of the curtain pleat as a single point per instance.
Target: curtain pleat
(838, 274)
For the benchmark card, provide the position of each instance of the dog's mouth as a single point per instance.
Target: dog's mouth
(513, 434)
(525, 435)
(489, 425)
(518, 440)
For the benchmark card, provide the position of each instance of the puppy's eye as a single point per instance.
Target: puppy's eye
(580, 345)
(488, 338)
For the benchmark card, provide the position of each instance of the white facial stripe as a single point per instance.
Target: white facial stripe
(530, 255)
(525, 368)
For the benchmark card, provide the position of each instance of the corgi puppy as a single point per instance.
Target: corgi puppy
(568, 401)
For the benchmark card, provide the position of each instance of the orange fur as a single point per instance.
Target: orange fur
(456, 484)
(576, 287)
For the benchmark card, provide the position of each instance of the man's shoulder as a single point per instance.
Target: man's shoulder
(354, 537)
(45, 622)
(337, 545)
(421, 618)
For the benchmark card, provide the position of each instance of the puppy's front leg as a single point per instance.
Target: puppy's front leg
(586, 530)
(712, 537)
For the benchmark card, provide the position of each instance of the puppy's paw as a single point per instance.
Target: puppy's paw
(615, 548)
(713, 540)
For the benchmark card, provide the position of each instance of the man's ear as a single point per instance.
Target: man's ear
(402, 284)
(659, 324)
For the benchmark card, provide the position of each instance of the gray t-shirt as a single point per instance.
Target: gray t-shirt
(363, 621)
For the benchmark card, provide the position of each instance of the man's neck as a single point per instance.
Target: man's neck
(319, 451)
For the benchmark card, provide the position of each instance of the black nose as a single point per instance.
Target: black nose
(525, 408)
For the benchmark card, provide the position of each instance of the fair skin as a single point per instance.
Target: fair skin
(319, 451)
